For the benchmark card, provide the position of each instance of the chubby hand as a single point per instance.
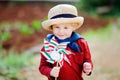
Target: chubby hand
(55, 72)
(87, 68)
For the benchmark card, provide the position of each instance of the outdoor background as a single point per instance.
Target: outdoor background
(21, 37)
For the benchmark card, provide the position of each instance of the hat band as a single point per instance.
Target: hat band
(64, 16)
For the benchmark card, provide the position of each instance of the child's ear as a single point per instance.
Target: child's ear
(51, 27)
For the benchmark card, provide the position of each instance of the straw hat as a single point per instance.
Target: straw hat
(62, 13)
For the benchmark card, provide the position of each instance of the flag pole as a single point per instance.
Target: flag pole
(56, 66)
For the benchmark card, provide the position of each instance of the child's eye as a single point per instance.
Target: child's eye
(65, 27)
(57, 27)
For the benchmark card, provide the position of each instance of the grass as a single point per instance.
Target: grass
(102, 33)
(11, 65)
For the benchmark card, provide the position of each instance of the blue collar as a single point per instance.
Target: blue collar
(73, 45)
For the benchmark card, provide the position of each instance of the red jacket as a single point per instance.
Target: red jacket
(67, 71)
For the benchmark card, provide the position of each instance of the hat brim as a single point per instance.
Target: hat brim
(48, 23)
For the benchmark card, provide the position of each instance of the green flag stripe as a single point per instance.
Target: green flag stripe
(46, 46)
(47, 54)
(53, 43)
(64, 52)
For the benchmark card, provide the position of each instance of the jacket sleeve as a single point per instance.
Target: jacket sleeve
(44, 66)
(85, 51)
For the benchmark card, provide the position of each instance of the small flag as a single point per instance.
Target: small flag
(55, 52)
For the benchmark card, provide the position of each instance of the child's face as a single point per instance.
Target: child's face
(62, 31)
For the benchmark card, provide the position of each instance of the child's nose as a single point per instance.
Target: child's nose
(61, 31)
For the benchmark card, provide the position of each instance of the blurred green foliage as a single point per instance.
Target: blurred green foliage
(25, 29)
(104, 33)
(12, 63)
(13, 60)
(102, 7)
(22, 27)
(36, 25)
(4, 31)
(5, 36)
